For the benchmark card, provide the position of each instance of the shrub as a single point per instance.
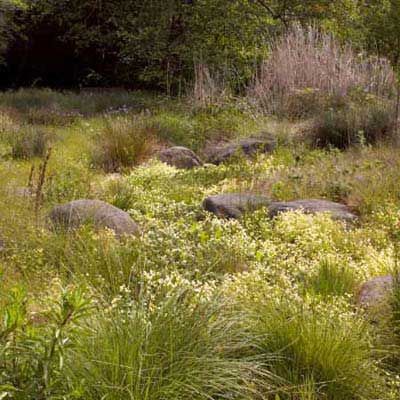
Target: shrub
(365, 122)
(32, 353)
(306, 65)
(122, 142)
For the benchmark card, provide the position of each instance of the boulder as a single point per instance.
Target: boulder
(180, 157)
(233, 205)
(102, 215)
(374, 293)
(338, 211)
(248, 147)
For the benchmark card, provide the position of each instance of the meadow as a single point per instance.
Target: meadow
(196, 306)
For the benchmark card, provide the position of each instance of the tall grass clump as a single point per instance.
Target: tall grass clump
(7, 121)
(307, 66)
(209, 88)
(27, 141)
(321, 351)
(122, 142)
(332, 279)
(177, 348)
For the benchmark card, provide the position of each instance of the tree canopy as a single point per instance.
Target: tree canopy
(157, 42)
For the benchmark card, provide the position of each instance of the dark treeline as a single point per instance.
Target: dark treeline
(156, 43)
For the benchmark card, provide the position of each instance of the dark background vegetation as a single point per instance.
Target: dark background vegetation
(156, 43)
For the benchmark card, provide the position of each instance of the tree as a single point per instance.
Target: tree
(382, 24)
(7, 25)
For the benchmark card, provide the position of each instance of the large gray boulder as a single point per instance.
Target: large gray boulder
(312, 206)
(233, 205)
(100, 214)
(180, 157)
(247, 147)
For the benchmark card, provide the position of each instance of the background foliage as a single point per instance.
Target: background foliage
(157, 43)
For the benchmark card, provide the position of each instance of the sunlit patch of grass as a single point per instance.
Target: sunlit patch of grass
(333, 278)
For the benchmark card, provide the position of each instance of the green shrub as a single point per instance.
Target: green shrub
(32, 353)
(121, 143)
(365, 122)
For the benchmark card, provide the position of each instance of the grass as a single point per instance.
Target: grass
(364, 178)
(122, 143)
(195, 307)
(177, 350)
(28, 142)
(318, 353)
(333, 278)
(28, 101)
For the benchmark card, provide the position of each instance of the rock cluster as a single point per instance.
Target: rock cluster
(233, 205)
(247, 147)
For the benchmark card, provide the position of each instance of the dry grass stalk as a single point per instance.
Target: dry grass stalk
(307, 59)
(208, 88)
(40, 182)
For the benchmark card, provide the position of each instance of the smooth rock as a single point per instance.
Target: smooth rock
(312, 206)
(233, 205)
(180, 157)
(100, 214)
